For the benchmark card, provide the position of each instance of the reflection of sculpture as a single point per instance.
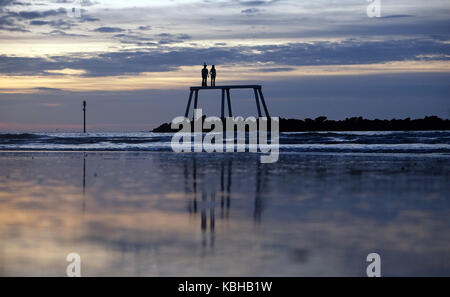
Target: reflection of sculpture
(207, 205)
(261, 182)
(225, 195)
(208, 201)
(84, 184)
(212, 219)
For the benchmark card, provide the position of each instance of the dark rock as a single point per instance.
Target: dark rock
(350, 124)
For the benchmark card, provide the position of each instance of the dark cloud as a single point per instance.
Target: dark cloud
(144, 28)
(166, 38)
(348, 52)
(109, 29)
(86, 18)
(256, 2)
(87, 3)
(63, 33)
(24, 65)
(79, 2)
(4, 3)
(6, 21)
(47, 89)
(167, 41)
(8, 24)
(39, 23)
(60, 24)
(396, 16)
(165, 35)
(37, 14)
(250, 11)
(14, 29)
(135, 39)
(184, 36)
(22, 3)
(391, 26)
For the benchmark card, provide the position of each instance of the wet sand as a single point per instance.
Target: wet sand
(167, 214)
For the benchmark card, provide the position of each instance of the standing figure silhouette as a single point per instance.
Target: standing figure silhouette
(213, 76)
(205, 76)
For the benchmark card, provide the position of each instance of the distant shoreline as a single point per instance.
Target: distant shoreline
(349, 124)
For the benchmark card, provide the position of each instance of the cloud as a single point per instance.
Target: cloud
(135, 39)
(87, 3)
(396, 16)
(22, 3)
(349, 52)
(37, 14)
(86, 18)
(165, 35)
(144, 28)
(183, 36)
(39, 23)
(4, 3)
(256, 2)
(47, 89)
(28, 65)
(8, 24)
(60, 24)
(78, 2)
(63, 33)
(13, 29)
(167, 38)
(250, 11)
(109, 29)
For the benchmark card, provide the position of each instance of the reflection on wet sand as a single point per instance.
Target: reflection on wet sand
(84, 183)
(208, 201)
(202, 214)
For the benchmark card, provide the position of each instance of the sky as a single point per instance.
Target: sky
(134, 60)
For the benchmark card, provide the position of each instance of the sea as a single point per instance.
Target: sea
(128, 205)
(420, 142)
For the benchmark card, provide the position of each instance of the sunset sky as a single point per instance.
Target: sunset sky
(134, 60)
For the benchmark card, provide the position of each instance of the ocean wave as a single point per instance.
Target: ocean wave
(353, 141)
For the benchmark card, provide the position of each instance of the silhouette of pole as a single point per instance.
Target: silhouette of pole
(84, 116)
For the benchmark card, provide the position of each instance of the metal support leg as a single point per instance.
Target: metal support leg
(257, 103)
(264, 103)
(188, 105)
(229, 103)
(223, 104)
(196, 99)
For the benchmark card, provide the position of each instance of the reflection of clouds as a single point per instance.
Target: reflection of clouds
(136, 220)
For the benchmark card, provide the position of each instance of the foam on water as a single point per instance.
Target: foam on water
(342, 141)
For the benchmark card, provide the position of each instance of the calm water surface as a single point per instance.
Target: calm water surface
(167, 214)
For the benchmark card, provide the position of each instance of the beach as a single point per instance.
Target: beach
(159, 213)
